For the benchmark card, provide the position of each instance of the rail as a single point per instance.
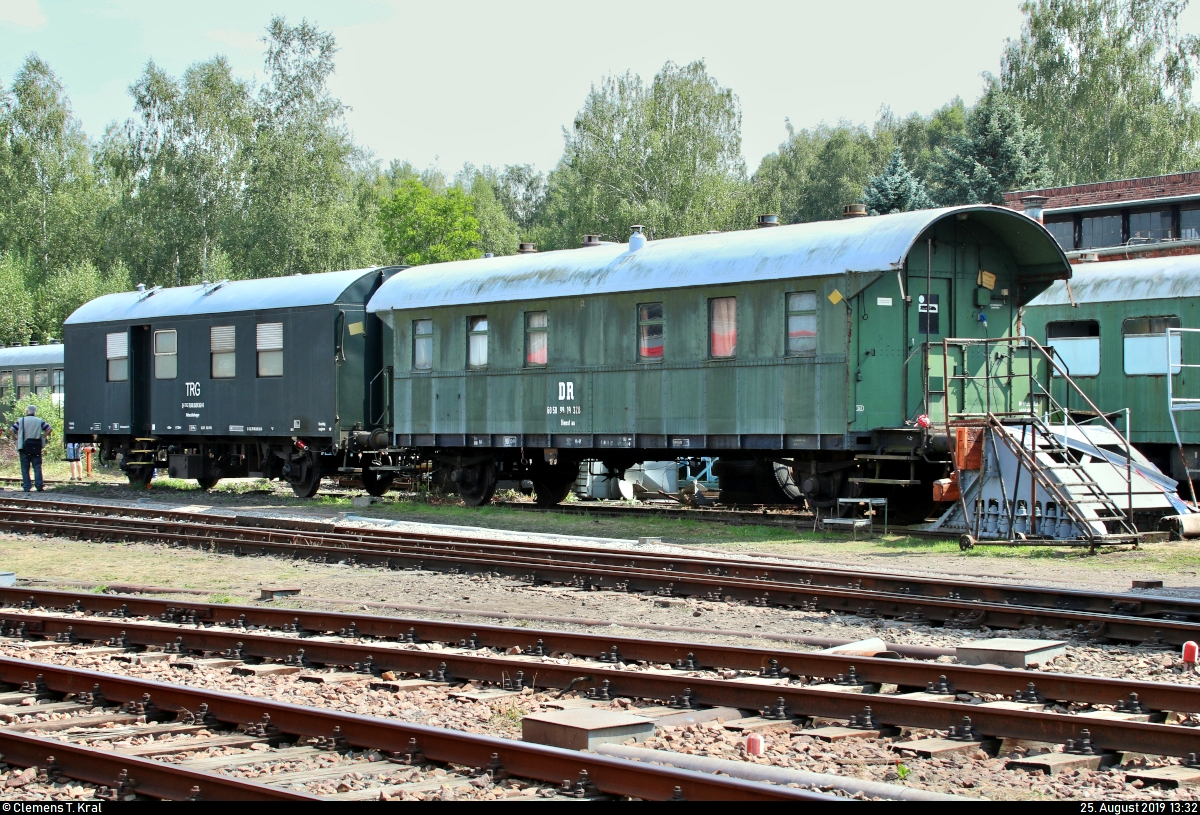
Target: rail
(1035, 392)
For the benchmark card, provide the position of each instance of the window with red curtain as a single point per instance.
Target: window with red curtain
(536, 340)
(722, 327)
(650, 332)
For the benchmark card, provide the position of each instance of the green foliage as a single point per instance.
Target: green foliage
(47, 410)
(66, 289)
(498, 232)
(18, 324)
(666, 155)
(1109, 83)
(421, 226)
(997, 152)
(903, 771)
(895, 189)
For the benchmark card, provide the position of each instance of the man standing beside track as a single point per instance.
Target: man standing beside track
(31, 434)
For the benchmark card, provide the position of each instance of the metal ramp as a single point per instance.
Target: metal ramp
(1176, 404)
(1024, 469)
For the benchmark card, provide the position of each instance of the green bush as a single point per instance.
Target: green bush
(47, 410)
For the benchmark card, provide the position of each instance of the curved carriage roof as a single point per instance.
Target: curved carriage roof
(1113, 280)
(875, 244)
(22, 355)
(294, 291)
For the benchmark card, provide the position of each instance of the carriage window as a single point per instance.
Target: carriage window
(1145, 340)
(6, 384)
(536, 340)
(422, 345)
(1189, 224)
(477, 336)
(269, 342)
(1063, 232)
(23, 388)
(802, 323)
(1076, 346)
(1150, 227)
(57, 381)
(41, 382)
(722, 327)
(117, 349)
(166, 354)
(650, 332)
(222, 340)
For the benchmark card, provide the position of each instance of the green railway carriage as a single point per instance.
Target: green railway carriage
(1109, 331)
(803, 347)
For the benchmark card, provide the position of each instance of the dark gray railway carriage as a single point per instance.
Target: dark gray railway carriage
(26, 370)
(275, 378)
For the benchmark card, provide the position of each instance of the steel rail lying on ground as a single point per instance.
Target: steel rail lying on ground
(551, 764)
(240, 622)
(953, 612)
(1140, 605)
(751, 694)
(145, 777)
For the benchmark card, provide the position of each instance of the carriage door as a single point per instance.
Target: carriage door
(930, 311)
(141, 360)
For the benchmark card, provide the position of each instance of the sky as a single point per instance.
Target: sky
(440, 84)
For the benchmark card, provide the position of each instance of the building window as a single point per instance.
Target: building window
(166, 354)
(57, 381)
(269, 343)
(1145, 340)
(422, 345)
(1189, 225)
(6, 385)
(536, 339)
(1101, 231)
(477, 330)
(41, 382)
(1076, 346)
(802, 323)
(23, 388)
(1150, 227)
(1063, 232)
(117, 347)
(650, 332)
(722, 327)
(222, 345)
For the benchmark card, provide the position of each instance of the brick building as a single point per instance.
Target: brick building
(1112, 220)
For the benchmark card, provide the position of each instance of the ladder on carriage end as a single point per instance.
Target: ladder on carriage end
(1054, 469)
(1179, 404)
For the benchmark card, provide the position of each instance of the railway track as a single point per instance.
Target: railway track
(918, 599)
(1110, 714)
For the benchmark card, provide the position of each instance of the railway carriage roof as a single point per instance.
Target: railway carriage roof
(1119, 280)
(873, 244)
(293, 291)
(21, 355)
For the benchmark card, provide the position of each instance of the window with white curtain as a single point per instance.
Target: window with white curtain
(722, 327)
(422, 345)
(1145, 341)
(1076, 346)
(477, 342)
(537, 347)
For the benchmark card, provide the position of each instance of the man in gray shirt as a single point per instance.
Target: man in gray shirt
(31, 434)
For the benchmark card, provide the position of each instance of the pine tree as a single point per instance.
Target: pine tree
(895, 189)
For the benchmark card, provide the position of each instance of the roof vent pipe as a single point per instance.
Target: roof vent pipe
(637, 240)
(591, 240)
(1033, 206)
(768, 220)
(527, 248)
(141, 286)
(854, 211)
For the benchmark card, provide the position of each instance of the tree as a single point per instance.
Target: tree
(48, 197)
(15, 284)
(998, 152)
(666, 155)
(66, 289)
(1109, 83)
(498, 233)
(420, 226)
(895, 189)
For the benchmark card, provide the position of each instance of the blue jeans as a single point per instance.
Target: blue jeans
(36, 461)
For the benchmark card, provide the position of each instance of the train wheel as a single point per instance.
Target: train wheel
(376, 483)
(311, 482)
(776, 485)
(551, 484)
(477, 483)
(208, 483)
(140, 477)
